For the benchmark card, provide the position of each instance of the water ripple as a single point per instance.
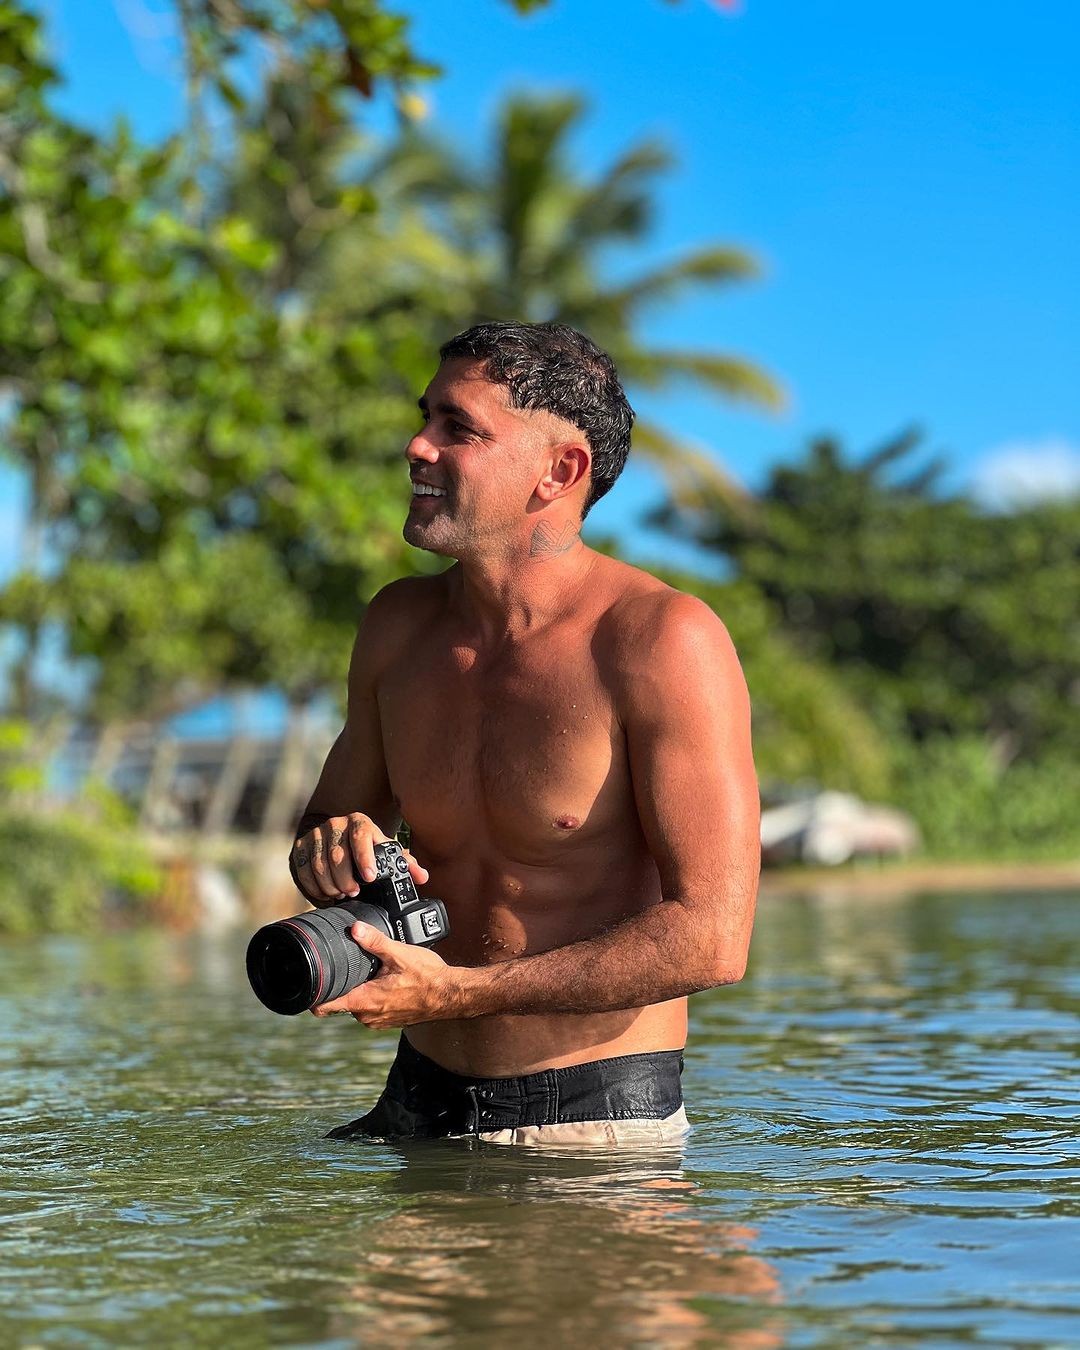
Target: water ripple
(886, 1151)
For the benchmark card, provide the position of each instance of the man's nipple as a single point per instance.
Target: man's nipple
(567, 823)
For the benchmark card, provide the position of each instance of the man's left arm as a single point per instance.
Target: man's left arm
(686, 713)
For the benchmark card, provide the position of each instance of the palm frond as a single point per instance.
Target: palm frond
(418, 165)
(522, 236)
(695, 477)
(891, 452)
(715, 265)
(529, 161)
(730, 376)
(620, 203)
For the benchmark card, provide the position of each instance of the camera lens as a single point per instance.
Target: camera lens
(286, 962)
(282, 967)
(296, 963)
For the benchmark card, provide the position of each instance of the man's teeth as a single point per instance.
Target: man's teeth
(424, 490)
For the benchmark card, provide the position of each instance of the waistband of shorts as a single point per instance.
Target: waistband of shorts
(622, 1085)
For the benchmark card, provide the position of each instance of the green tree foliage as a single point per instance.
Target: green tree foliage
(212, 347)
(213, 362)
(971, 804)
(213, 460)
(70, 863)
(215, 473)
(946, 619)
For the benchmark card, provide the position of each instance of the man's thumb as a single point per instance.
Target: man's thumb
(372, 940)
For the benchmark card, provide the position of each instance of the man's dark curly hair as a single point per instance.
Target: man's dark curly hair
(552, 368)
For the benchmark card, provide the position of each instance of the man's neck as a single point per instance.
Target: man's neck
(518, 591)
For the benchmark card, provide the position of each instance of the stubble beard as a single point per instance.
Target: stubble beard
(437, 534)
(449, 537)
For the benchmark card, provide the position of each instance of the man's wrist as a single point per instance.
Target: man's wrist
(470, 991)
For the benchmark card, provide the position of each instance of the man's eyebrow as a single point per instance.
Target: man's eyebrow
(453, 410)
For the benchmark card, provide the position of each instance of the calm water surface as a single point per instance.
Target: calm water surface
(886, 1152)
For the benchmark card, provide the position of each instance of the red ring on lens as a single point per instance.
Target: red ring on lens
(288, 923)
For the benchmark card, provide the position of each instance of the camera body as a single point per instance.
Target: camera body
(297, 963)
(412, 918)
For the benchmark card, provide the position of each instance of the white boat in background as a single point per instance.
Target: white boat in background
(829, 828)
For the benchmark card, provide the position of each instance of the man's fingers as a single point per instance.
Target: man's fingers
(418, 873)
(324, 882)
(345, 1004)
(338, 857)
(364, 834)
(331, 857)
(302, 862)
(357, 1003)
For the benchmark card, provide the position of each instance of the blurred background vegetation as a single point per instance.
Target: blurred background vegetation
(211, 350)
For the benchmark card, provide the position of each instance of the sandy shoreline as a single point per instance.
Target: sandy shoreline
(900, 878)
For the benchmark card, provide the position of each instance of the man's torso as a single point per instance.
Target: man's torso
(510, 767)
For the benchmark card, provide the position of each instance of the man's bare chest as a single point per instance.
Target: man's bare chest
(526, 747)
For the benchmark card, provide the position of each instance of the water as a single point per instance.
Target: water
(886, 1152)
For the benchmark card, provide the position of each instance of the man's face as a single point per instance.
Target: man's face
(484, 458)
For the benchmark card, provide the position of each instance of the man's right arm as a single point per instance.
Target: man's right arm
(353, 807)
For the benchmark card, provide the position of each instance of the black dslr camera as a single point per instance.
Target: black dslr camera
(298, 963)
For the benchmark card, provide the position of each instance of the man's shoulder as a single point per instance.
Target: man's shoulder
(407, 599)
(395, 615)
(656, 637)
(642, 612)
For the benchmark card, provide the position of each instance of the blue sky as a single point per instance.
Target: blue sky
(907, 173)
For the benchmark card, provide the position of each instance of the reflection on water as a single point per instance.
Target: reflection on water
(885, 1150)
(492, 1240)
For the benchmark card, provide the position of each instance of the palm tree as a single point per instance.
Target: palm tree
(523, 237)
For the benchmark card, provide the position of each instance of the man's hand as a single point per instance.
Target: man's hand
(413, 985)
(324, 858)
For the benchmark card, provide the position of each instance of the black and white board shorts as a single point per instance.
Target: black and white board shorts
(630, 1100)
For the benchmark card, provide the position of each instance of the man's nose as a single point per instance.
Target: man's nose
(420, 447)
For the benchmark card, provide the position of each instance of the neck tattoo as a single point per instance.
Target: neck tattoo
(547, 541)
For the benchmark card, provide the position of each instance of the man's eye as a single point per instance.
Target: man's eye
(459, 428)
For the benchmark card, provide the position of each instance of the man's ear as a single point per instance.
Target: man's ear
(568, 468)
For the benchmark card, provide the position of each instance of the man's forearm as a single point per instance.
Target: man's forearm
(664, 952)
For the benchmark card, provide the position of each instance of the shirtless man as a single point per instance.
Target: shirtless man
(568, 739)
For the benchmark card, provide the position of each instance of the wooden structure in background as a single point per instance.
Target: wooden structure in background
(213, 786)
